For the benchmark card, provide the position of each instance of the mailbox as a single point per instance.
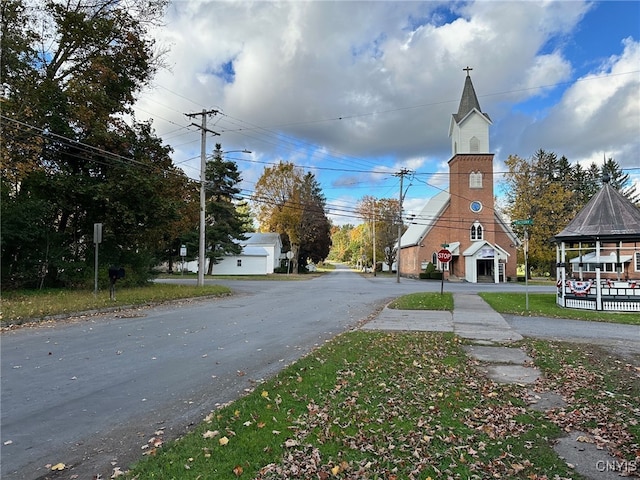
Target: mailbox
(116, 273)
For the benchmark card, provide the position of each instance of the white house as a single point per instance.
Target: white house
(270, 242)
(251, 261)
(261, 254)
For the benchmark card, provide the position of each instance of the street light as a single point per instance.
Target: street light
(202, 240)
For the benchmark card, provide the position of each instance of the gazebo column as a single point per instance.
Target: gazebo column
(598, 286)
(561, 258)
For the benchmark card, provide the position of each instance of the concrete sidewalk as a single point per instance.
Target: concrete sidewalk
(489, 334)
(472, 318)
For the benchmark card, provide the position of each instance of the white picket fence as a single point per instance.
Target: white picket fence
(616, 296)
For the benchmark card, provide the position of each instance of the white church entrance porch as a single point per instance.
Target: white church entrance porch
(485, 262)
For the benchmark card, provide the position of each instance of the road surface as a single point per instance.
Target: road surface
(90, 392)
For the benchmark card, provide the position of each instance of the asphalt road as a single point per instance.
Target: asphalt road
(90, 392)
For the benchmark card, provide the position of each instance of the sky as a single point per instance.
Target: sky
(353, 92)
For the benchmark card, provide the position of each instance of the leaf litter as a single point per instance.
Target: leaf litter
(412, 406)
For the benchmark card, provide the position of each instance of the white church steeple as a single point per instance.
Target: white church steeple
(469, 128)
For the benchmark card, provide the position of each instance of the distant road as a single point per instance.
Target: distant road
(91, 392)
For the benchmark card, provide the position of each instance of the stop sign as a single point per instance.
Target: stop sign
(444, 255)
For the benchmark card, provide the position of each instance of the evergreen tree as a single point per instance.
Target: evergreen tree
(315, 228)
(619, 180)
(226, 223)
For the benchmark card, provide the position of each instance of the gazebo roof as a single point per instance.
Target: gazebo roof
(608, 216)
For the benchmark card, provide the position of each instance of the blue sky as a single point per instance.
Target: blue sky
(356, 91)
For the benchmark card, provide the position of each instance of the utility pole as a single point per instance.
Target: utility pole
(203, 166)
(400, 174)
(374, 238)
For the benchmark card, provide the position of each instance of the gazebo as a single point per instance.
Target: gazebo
(598, 255)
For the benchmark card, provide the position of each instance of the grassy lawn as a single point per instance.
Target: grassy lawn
(18, 307)
(403, 405)
(544, 305)
(424, 301)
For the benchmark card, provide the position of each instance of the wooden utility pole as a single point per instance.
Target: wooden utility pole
(203, 167)
(400, 174)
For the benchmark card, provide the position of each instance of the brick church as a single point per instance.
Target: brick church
(463, 217)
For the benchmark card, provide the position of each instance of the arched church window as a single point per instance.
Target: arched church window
(476, 231)
(474, 145)
(475, 180)
(434, 258)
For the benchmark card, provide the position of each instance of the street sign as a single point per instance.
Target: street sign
(523, 222)
(97, 233)
(444, 255)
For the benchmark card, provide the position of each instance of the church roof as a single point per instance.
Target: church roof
(468, 102)
(425, 220)
(609, 215)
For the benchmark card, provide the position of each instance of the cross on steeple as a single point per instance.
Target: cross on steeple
(468, 69)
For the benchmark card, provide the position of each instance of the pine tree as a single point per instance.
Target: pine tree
(619, 180)
(226, 222)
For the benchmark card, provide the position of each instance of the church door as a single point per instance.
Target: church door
(485, 270)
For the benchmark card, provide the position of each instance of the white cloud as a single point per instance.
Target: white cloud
(372, 85)
(599, 114)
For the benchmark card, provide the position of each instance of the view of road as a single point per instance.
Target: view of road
(90, 392)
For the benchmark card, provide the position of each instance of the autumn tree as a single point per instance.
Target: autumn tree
(225, 223)
(550, 191)
(291, 203)
(340, 243)
(535, 190)
(381, 215)
(71, 72)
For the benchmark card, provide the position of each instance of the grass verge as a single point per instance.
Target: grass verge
(424, 301)
(23, 306)
(398, 406)
(544, 305)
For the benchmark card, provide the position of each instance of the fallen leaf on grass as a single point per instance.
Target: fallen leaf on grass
(223, 441)
(210, 434)
(237, 470)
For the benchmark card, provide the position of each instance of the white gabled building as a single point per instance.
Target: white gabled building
(271, 243)
(261, 254)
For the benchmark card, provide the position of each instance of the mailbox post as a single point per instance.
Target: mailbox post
(97, 239)
(114, 274)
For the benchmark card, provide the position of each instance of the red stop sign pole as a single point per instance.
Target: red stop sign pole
(444, 256)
